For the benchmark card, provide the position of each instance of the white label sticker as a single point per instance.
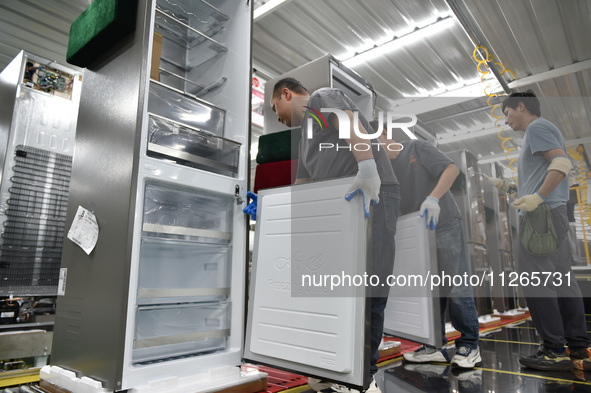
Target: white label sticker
(7, 315)
(61, 286)
(84, 230)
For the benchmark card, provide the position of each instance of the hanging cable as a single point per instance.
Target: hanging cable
(483, 58)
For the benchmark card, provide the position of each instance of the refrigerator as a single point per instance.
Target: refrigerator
(468, 193)
(499, 234)
(38, 112)
(161, 163)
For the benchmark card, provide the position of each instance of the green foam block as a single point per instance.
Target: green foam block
(100, 28)
(279, 146)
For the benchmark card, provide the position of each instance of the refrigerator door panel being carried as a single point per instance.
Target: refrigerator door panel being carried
(298, 324)
(413, 310)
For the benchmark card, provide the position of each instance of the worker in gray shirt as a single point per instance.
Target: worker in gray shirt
(425, 176)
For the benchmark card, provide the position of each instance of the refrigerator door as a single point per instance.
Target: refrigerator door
(413, 310)
(305, 232)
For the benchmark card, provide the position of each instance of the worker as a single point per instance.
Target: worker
(556, 305)
(426, 175)
(374, 182)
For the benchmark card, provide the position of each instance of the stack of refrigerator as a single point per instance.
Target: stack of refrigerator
(37, 126)
(161, 162)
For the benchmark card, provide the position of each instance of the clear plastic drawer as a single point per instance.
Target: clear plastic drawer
(181, 108)
(173, 271)
(174, 212)
(170, 331)
(192, 147)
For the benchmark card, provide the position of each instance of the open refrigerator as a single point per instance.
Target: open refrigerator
(161, 161)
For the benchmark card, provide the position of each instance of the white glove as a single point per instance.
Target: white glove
(508, 188)
(367, 182)
(430, 210)
(528, 203)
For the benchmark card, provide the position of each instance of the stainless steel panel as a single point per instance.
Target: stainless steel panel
(104, 181)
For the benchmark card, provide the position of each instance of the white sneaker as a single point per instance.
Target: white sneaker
(466, 358)
(424, 355)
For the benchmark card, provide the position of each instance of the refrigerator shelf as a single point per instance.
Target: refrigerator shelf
(199, 14)
(172, 79)
(184, 231)
(181, 338)
(198, 48)
(180, 293)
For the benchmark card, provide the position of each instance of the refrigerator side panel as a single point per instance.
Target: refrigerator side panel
(88, 337)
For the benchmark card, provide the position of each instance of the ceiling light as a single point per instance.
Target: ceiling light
(266, 8)
(398, 42)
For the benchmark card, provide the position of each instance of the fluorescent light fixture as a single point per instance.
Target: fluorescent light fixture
(267, 8)
(399, 42)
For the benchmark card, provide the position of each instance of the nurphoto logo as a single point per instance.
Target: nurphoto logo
(392, 122)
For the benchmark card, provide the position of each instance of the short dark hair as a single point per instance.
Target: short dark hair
(528, 98)
(291, 83)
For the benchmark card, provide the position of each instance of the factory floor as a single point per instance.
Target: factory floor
(500, 371)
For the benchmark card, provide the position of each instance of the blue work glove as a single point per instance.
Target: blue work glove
(251, 209)
(430, 210)
(367, 182)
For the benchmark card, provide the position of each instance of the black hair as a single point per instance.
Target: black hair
(528, 98)
(291, 83)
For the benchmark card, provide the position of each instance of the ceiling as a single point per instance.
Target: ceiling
(542, 42)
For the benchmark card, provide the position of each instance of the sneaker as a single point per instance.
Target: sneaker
(424, 355)
(581, 358)
(548, 359)
(466, 358)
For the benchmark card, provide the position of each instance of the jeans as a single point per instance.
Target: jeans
(452, 258)
(384, 220)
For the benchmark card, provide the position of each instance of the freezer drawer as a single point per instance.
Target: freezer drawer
(171, 271)
(412, 311)
(164, 331)
(308, 229)
(175, 212)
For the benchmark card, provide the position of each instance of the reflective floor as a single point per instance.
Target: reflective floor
(500, 371)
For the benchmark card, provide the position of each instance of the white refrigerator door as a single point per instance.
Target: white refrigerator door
(302, 231)
(412, 311)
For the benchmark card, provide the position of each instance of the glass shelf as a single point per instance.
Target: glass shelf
(199, 14)
(182, 45)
